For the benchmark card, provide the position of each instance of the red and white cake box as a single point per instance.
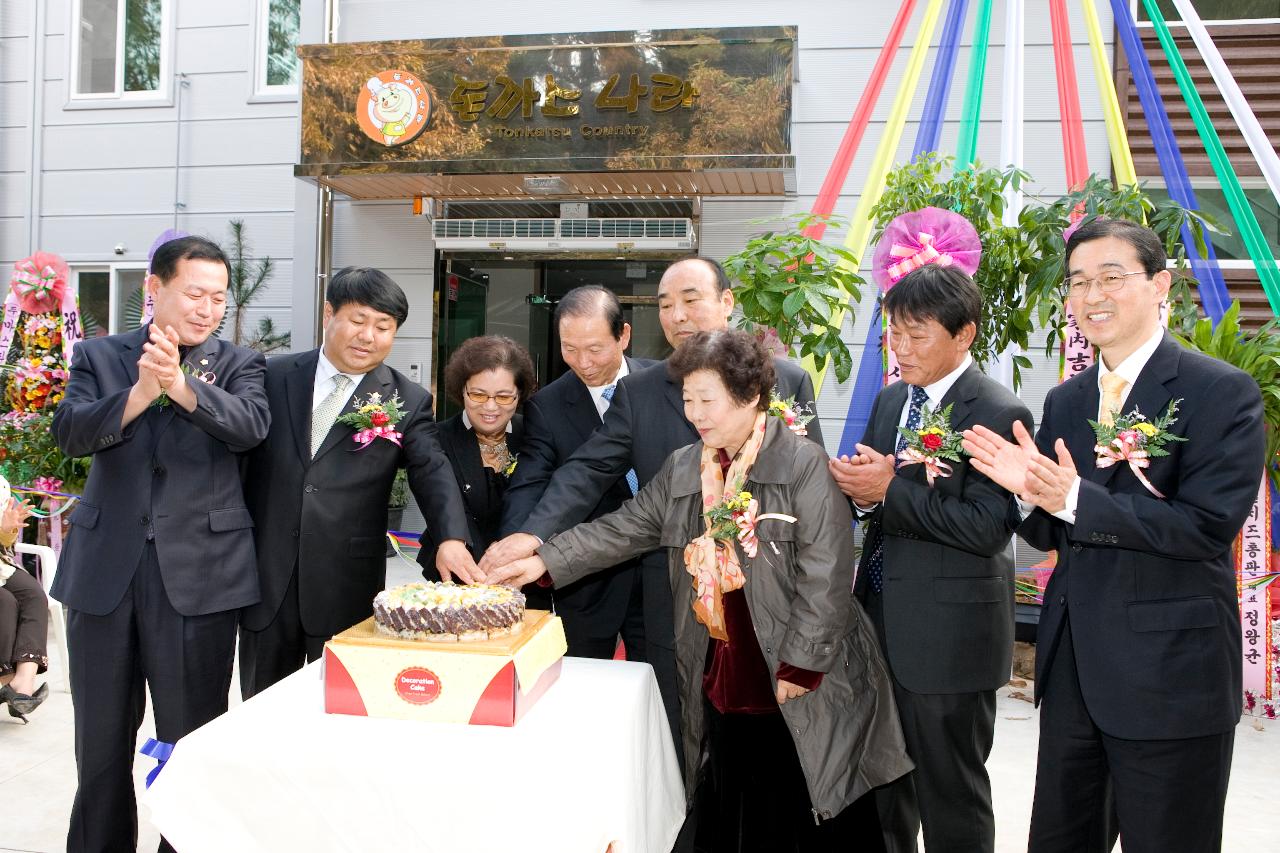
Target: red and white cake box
(487, 682)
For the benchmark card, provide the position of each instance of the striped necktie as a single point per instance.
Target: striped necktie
(632, 480)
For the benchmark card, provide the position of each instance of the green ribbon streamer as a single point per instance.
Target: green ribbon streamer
(1250, 231)
(969, 116)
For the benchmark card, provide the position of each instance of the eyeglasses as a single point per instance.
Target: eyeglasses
(502, 398)
(1107, 282)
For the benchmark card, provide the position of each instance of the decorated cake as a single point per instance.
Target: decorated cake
(447, 612)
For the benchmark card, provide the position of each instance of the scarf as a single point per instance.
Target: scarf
(712, 562)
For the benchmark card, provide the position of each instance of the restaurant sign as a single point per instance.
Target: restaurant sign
(592, 102)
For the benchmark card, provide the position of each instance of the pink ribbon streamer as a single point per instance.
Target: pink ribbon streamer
(365, 437)
(1126, 450)
(933, 467)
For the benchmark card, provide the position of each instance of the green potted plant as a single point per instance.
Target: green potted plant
(798, 287)
(396, 502)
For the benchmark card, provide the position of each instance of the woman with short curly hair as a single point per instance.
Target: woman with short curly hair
(787, 711)
(489, 376)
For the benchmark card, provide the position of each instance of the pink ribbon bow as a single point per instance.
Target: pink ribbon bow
(365, 437)
(1126, 449)
(46, 484)
(747, 521)
(915, 257)
(933, 467)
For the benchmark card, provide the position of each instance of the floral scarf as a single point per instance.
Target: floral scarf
(714, 563)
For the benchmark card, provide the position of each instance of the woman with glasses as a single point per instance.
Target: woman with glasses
(490, 377)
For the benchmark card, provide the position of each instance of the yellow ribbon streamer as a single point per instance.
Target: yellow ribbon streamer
(860, 225)
(1121, 156)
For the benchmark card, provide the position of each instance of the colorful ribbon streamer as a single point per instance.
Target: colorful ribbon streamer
(1073, 148)
(1121, 156)
(971, 113)
(944, 66)
(1011, 104)
(1246, 222)
(160, 751)
(1212, 286)
(1263, 150)
(839, 170)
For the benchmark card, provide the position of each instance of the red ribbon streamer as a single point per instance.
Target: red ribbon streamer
(1073, 147)
(839, 170)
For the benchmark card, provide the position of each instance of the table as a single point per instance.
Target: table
(591, 764)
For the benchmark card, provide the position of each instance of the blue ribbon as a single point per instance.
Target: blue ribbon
(1213, 289)
(944, 66)
(160, 751)
(866, 386)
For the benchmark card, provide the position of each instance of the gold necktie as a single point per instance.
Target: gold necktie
(1113, 386)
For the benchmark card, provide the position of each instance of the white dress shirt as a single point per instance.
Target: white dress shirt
(323, 385)
(597, 393)
(1127, 369)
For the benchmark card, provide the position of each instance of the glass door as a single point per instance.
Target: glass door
(463, 299)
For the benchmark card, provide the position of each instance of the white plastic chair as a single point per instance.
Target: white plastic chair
(48, 568)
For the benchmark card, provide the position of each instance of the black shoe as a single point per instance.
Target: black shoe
(20, 704)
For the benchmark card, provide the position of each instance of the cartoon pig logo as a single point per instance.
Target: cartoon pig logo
(394, 107)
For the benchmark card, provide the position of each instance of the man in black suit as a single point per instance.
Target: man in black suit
(559, 418)
(161, 555)
(937, 565)
(1138, 664)
(319, 496)
(644, 425)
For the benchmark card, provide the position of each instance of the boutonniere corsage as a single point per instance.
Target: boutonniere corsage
(736, 517)
(511, 466)
(375, 419)
(794, 416)
(1135, 439)
(933, 442)
(206, 376)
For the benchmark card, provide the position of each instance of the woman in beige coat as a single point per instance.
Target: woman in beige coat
(783, 688)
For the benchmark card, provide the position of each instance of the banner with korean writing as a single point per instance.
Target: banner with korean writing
(604, 101)
(1254, 581)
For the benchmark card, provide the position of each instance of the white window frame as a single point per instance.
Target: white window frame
(161, 97)
(1135, 4)
(260, 90)
(113, 271)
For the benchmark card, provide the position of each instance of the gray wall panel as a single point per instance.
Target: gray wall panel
(15, 58)
(382, 235)
(114, 146)
(55, 58)
(228, 189)
(210, 50)
(13, 240)
(13, 194)
(209, 14)
(15, 104)
(16, 17)
(107, 192)
(93, 237)
(14, 149)
(233, 142)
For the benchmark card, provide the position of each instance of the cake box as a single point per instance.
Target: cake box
(487, 682)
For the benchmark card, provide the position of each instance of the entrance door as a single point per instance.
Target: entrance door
(517, 298)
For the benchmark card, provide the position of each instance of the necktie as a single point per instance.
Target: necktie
(327, 412)
(1113, 385)
(875, 535)
(633, 482)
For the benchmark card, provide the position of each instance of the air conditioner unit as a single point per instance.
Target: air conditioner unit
(565, 235)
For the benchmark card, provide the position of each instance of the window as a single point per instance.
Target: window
(111, 299)
(1220, 11)
(276, 63)
(1230, 247)
(119, 49)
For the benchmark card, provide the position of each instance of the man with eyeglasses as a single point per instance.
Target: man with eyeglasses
(1138, 663)
(319, 496)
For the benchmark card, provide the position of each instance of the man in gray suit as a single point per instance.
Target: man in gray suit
(161, 554)
(937, 565)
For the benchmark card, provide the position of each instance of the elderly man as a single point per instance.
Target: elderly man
(559, 418)
(644, 425)
(161, 555)
(1138, 663)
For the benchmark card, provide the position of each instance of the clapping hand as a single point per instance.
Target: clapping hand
(161, 361)
(864, 477)
(1022, 468)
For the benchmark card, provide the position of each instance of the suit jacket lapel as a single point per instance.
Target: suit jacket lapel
(131, 351)
(1149, 395)
(887, 417)
(962, 392)
(378, 381)
(299, 385)
(580, 409)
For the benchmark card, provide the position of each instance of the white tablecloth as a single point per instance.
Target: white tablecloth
(592, 763)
